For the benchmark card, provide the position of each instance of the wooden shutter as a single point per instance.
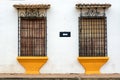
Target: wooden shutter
(32, 36)
(92, 37)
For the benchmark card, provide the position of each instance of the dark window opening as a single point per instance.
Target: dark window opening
(32, 35)
(92, 36)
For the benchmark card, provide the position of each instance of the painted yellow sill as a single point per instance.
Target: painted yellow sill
(92, 65)
(32, 65)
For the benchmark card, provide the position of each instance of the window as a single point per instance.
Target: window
(92, 29)
(33, 36)
(32, 29)
(92, 37)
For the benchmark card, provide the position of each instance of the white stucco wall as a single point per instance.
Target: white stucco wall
(62, 52)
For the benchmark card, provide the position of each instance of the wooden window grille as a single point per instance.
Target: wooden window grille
(32, 36)
(92, 36)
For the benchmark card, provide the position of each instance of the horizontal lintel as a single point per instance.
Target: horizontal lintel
(83, 6)
(40, 6)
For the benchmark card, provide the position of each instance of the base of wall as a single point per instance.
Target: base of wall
(92, 65)
(32, 65)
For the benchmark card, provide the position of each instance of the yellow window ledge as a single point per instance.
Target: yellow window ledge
(92, 65)
(32, 65)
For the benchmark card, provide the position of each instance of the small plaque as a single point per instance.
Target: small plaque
(65, 34)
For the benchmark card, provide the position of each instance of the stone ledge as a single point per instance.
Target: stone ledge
(40, 79)
(14, 76)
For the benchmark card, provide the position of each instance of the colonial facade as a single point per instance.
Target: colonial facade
(66, 36)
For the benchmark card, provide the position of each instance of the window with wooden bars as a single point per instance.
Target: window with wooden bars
(32, 36)
(92, 36)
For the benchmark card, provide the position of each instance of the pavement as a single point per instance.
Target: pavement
(72, 75)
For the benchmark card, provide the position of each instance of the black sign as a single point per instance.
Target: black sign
(65, 34)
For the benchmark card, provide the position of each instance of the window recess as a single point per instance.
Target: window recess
(92, 29)
(32, 29)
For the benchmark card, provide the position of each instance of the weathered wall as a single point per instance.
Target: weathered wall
(62, 52)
